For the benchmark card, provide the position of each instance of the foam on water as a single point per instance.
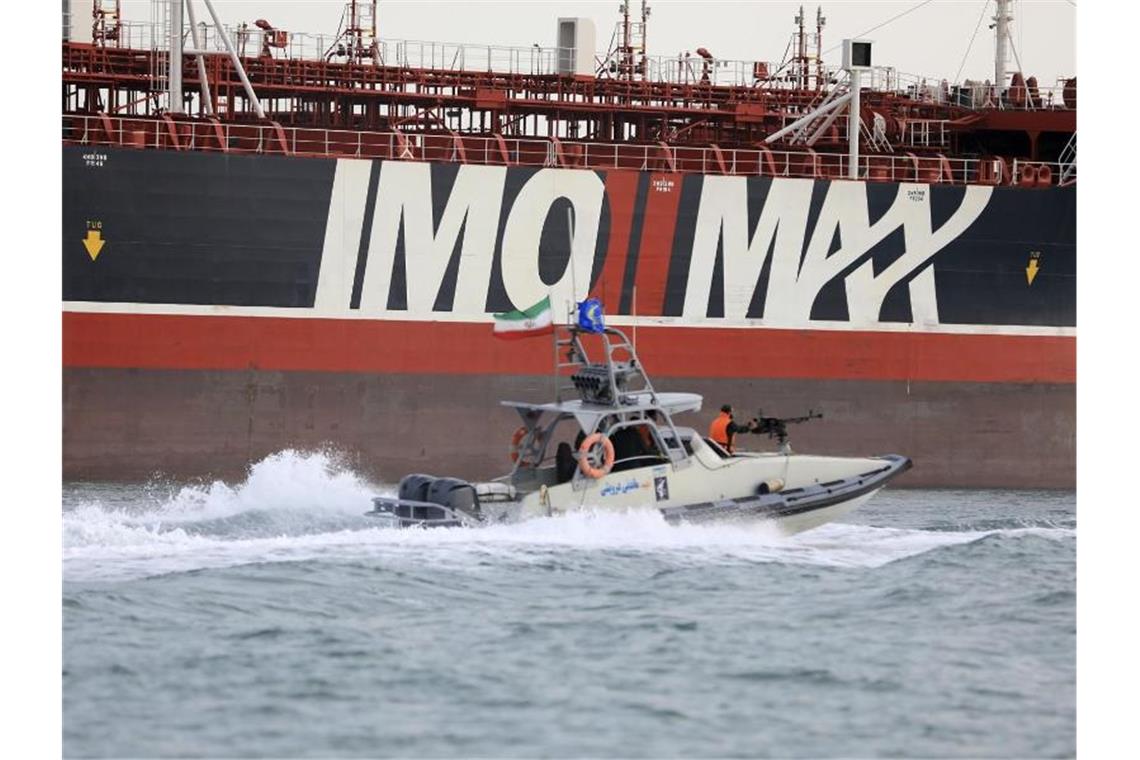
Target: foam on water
(303, 506)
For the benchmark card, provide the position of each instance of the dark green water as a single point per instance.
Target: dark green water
(272, 619)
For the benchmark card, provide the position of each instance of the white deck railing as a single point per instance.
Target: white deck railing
(686, 68)
(208, 135)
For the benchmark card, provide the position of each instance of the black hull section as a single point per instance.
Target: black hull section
(211, 229)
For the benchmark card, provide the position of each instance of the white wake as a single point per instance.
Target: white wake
(296, 507)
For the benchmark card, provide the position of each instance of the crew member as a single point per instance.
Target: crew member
(648, 447)
(723, 429)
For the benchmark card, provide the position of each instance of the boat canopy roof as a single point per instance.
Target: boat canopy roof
(588, 414)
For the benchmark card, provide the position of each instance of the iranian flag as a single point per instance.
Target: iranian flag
(537, 320)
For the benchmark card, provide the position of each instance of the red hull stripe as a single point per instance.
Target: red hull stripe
(332, 345)
(517, 334)
(621, 187)
(657, 241)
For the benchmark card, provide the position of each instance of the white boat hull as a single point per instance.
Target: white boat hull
(789, 509)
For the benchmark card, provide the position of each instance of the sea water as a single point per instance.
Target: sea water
(271, 618)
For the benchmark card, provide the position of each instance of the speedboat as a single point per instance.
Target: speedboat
(608, 441)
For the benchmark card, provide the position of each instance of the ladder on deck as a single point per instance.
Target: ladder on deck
(106, 25)
(814, 128)
(160, 28)
(1068, 161)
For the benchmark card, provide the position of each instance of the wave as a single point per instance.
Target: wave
(288, 492)
(297, 506)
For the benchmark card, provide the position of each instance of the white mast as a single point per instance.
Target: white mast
(178, 49)
(174, 84)
(854, 124)
(1002, 41)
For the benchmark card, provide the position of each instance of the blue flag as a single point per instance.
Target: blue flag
(590, 316)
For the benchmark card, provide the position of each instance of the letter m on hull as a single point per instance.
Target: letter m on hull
(781, 242)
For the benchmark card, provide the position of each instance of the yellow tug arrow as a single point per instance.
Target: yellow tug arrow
(1031, 269)
(93, 243)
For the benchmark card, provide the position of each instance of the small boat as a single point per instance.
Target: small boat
(608, 441)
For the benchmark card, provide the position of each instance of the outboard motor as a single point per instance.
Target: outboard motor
(415, 487)
(455, 494)
(425, 501)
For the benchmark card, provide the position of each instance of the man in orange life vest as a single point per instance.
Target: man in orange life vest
(723, 429)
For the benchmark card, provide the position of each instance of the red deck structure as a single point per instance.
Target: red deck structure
(450, 107)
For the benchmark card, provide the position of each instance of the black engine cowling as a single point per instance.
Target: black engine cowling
(454, 493)
(447, 492)
(414, 487)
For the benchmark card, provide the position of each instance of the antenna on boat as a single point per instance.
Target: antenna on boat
(570, 305)
(634, 315)
(570, 234)
(554, 341)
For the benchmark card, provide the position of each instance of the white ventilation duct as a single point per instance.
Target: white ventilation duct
(77, 21)
(576, 42)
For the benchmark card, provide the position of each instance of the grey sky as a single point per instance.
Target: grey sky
(930, 41)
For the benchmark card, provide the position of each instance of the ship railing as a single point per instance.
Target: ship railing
(969, 93)
(136, 35)
(251, 41)
(690, 69)
(448, 56)
(418, 54)
(212, 135)
(407, 54)
(683, 69)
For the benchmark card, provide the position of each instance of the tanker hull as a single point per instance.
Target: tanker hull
(218, 308)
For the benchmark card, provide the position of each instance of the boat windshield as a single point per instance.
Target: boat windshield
(716, 447)
(636, 445)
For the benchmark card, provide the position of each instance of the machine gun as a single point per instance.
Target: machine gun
(777, 427)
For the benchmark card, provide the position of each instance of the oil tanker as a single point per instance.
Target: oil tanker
(279, 240)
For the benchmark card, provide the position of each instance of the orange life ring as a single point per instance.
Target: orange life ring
(516, 443)
(584, 456)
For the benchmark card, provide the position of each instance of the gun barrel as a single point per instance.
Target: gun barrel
(811, 415)
(805, 418)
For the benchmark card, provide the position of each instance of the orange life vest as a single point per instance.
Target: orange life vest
(718, 430)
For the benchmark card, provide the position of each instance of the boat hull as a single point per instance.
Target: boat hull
(807, 519)
(788, 524)
(804, 506)
(816, 517)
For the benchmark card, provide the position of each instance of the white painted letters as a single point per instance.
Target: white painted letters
(585, 191)
(475, 206)
(405, 193)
